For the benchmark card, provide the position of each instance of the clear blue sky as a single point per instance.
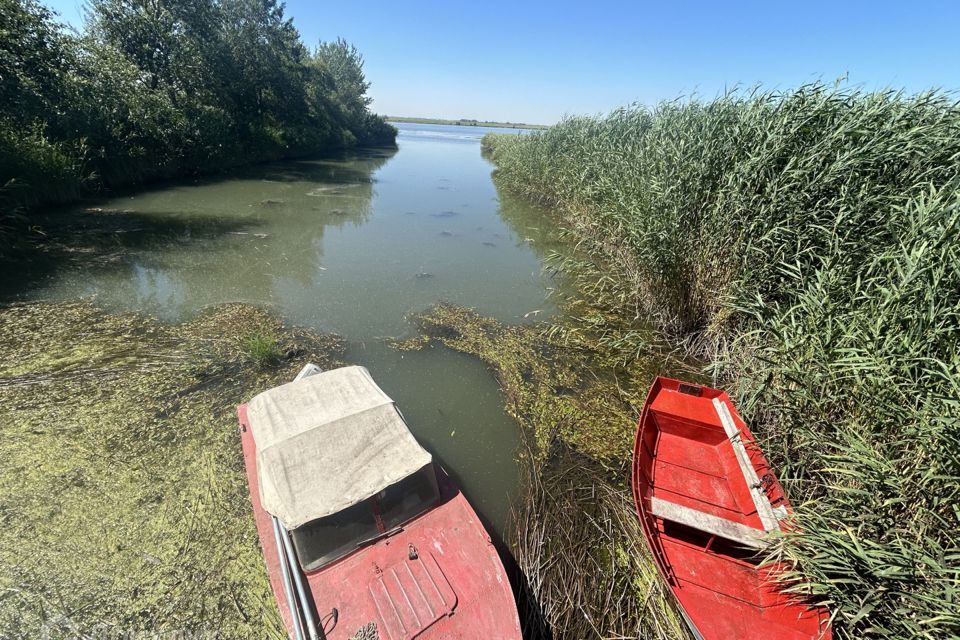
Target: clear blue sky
(536, 61)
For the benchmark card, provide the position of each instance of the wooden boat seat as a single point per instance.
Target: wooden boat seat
(708, 523)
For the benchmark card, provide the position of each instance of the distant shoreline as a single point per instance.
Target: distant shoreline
(468, 123)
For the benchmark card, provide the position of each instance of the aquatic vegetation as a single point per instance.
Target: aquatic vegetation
(577, 539)
(559, 382)
(122, 492)
(807, 246)
(260, 348)
(550, 396)
(491, 141)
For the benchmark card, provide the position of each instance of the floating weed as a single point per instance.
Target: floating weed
(577, 540)
(122, 493)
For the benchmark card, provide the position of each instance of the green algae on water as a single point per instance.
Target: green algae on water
(556, 384)
(122, 494)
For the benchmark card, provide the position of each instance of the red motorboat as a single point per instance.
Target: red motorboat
(707, 498)
(364, 537)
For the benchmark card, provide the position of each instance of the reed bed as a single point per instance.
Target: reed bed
(587, 570)
(806, 245)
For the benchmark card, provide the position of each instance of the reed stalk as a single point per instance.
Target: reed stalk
(806, 245)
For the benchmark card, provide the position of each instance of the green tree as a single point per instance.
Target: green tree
(172, 41)
(340, 66)
(160, 88)
(344, 64)
(33, 54)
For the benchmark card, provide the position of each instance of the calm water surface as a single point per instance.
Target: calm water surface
(351, 245)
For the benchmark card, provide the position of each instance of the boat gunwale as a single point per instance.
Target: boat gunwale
(642, 484)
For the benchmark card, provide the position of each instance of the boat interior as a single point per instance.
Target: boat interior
(707, 506)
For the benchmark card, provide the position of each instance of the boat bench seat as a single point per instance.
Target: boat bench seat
(708, 523)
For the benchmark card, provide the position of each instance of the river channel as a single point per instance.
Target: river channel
(352, 244)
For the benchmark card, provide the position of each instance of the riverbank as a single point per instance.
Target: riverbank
(85, 114)
(123, 490)
(806, 246)
(468, 123)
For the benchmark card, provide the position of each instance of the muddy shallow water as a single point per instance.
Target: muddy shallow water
(352, 244)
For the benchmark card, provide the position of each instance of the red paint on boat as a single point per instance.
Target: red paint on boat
(438, 578)
(687, 481)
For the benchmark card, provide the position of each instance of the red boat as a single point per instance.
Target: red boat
(364, 537)
(707, 498)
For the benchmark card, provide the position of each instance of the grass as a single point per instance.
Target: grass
(122, 494)
(260, 348)
(581, 549)
(806, 245)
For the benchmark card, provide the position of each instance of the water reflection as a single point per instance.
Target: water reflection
(351, 244)
(173, 249)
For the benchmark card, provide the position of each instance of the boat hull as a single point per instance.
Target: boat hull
(438, 577)
(706, 504)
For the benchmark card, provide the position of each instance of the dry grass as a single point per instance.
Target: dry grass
(581, 549)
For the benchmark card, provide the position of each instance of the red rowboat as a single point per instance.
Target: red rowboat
(706, 497)
(364, 537)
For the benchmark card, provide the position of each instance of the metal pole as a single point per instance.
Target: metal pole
(298, 580)
(287, 586)
(285, 547)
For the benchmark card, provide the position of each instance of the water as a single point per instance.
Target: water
(352, 245)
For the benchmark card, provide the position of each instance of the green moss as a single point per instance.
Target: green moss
(122, 494)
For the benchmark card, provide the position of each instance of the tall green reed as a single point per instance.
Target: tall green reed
(805, 244)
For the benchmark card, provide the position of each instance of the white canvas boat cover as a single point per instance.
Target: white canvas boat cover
(326, 442)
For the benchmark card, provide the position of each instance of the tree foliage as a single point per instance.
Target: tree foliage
(160, 88)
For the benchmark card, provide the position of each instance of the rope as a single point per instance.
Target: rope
(367, 632)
